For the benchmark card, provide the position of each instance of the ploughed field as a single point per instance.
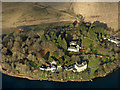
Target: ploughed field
(25, 50)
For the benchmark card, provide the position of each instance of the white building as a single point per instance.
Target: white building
(114, 40)
(48, 68)
(80, 67)
(73, 43)
(53, 62)
(42, 68)
(74, 49)
(74, 46)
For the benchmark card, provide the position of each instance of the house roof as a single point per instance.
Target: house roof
(75, 42)
(114, 40)
(71, 47)
(82, 64)
(53, 62)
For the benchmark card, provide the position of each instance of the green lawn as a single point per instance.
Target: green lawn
(87, 42)
(92, 72)
(93, 62)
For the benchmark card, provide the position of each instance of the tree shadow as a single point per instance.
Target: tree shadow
(100, 24)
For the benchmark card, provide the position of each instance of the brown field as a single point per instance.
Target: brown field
(99, 11)
(16, 14)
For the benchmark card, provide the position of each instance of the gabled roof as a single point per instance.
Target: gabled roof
(53, 62)
(75, 43)
(73, 49)
(82, 64)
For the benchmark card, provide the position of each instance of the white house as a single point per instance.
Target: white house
(114, 40)
(74, 49)
(74, 46)
(42, 68)
(73, 43)
(53, 62)
(48, 68)
(80, 67)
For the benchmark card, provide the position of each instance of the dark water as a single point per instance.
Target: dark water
(110, 81)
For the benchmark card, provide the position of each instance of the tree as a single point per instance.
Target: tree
(16, 33)
(59, 40)
(67, 58)
(5, 40)
(18, 39)
(10, 44)
(28, 42)
(21, 55)
(53, 37)
(36, 47)
(43, 38)
(71, 26)
(47, 55)
(55, 54)
(83, 29)
(16, 46)
(69, 37)
(25, 50)
(47, 36)
(15, 56)
(61, 60)
(60, 53)
(91, 26)
(64, 43)
(21, 68)
(4, 50)
(31, 57)
(49, 45)
(40, 32)
(99, 30)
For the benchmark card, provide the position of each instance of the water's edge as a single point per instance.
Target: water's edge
(110, 81)
(31, 78)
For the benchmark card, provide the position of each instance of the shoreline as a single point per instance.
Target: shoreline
(11, 28)
(50, 79)
(31, 78)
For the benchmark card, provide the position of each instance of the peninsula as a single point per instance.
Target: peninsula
(65, 41)
(62, 51)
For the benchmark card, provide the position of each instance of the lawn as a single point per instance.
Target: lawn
(93, 62)
(92, 72)
(87, 42)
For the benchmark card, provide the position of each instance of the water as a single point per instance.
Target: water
(110, 81)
